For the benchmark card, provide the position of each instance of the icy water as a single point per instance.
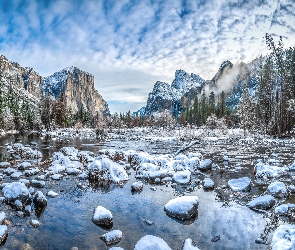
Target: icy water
(66, 221)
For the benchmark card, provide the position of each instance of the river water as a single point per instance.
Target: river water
(66, 221)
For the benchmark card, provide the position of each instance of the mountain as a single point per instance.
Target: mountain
(229, 78)
(74, 85)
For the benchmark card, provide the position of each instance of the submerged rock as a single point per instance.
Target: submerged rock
(182, 208)
(240, 184)
(102, 217)
(283, 238)
(189, 245)
(262, 202)
(112, 238)
(149, 242)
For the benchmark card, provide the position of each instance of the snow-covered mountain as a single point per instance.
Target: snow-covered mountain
(75, 85)
(166, 96)
(185, 87)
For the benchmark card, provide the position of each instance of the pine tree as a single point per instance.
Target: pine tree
(203, 108)
(211, 107)
(196, 111)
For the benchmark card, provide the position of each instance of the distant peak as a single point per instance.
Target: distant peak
(225, 64)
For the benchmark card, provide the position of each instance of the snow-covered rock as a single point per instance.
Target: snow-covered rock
(277, 189)
(3, 232)
(24, 165)
(16, 191)
(189, 245)
(150, 242)
(102, 217)
(112, 237)
(2, 217)
(4, 164)
(262, 202)
(284, 208)
(182, 177)
(52, 194)
(16, 175)
(265, 171)
(56, 177)
(40, 200)
(137, 186)
(240, 184)
(283, 238)
(205, 164)
(208, 183)
(35, 223)
(182, 208)
(107, 170)
(38, 184)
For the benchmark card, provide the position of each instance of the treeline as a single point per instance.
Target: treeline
(203, 107)
(272, 109)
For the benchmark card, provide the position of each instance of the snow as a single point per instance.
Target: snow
(182, 207)
(106, 169)
(150, 242)
(188, 245)
(2, 217)
(182, 177)
(71, 152)
(283, 237)
(24, 165)
(56, 176)
(262, 202)
(265, 171)
(15, 190)
(277, 189)
(15, 175)
(100, 214)
(116, 248)
(4, 164)
(3, 230)
(35, 223)
(240, 184)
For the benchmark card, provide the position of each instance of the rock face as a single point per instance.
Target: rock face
(74, 85)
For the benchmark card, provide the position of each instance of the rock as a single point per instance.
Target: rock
(3, 233)
(31, 171)
(4, 164)
(189, 245)
(9, 171)
(215, 238)
(148, 222)
(208, 184)
(107, 170)
(28, 210)
(149, 242)
(2, 217)
(112, 237)
(74, 248)
(240, 184)
(16, 191)
(38, 184)
(284, 208)
(205, 164)
(35, 223)
(277, 189)
(24, 165)
(18, 205)
(291, 188)
(116, 248)
(283, 237)
(15, 175)
(52, 194)
(56, 177)
(137, 186)
(27, 246)
(40, 200)
(262, 202)
(102, 217)
(182, 177)
(182, 208)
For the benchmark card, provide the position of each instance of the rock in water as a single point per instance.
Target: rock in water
(52, 194)
(240, 184)
(277, 189)
(189, 245)
(262, 202)
(16, 191)
(205, 164)
(35, 223)
(3, 233)
(208, 184)
(102, 217)
(40, 200)
(182, 208)
(137, 186)
(112, 238)
(284, 238)
(149, 242)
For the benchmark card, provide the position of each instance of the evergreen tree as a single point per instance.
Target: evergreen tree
(211, 107)
(196, 111)
(203, 108)
(222, 108)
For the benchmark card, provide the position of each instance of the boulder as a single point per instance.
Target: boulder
(240, 184)
(182, 208)
(149, 242)
(262, 202)
(102, 217)
(40, 200)
(112, 238)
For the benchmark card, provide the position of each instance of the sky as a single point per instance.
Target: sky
(129, 45)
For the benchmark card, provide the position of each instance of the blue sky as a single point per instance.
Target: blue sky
(129, 45)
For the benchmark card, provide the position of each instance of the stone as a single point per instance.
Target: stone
(40, 200)
(102, 217)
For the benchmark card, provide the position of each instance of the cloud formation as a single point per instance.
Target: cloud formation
(128, 45)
